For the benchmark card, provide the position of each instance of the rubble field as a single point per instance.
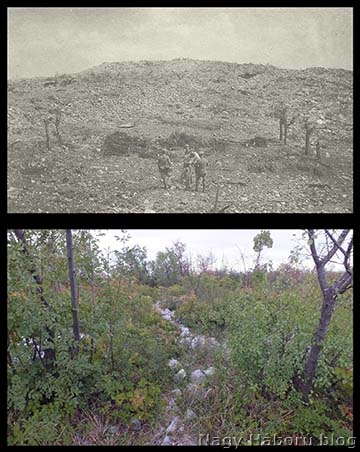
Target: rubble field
(216, 107)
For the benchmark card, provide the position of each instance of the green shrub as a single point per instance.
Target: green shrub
(269, 336)
(46, 426)
(316, 422)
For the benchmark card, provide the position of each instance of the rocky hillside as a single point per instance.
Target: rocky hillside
(212, 101)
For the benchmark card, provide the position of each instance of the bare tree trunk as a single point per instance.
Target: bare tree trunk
(323, 326)
(307, 142)
(57, 124)
(285, 122)
(330, 293)
(75, 310)
(46, 122)
(308, 132)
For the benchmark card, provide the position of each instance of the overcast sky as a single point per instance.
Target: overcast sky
(224, 244)
(43, 41)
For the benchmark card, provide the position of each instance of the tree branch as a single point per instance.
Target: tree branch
(336, 246)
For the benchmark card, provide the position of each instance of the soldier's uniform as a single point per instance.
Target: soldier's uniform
(164, 164)
(189, 160)
(200, 170)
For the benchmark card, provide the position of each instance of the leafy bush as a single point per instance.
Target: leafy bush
(125, 340)
(269, 335)
(316, 422)
(142, 401)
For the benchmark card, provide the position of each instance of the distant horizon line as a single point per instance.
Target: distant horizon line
(175, 59)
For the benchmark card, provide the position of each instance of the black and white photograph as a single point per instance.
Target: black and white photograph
(180, 110)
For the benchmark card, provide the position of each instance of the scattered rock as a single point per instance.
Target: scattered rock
(166, 441)
(173, 363)
(185, 340)
(136, 424)
(171, 405)
(198, 376)
(198, 341)
(210, 371)
(172, 426)
(176, 392)
(190, 414)
(184, 331)
(181, 375)
(196, 391)
(167, 314)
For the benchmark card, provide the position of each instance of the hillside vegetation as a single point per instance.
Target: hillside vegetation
(217, 107)
(167, 353)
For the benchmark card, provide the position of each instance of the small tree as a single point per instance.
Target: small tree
(58, 113)
(322, 255)
(165, 269)
(131, 262)
(309, 127)
(260, 241)
(47, 135)
(179, 249)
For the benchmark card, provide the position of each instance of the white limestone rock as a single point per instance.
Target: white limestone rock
(166, 441)
(172, 426)
(184, 331)
(198, 376)
(180, 376)
(190, 414)
(210, 371)
(176, 392)
(198, 341)
(173, 363)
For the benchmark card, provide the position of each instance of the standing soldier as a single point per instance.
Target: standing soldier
(200, 170)
(189, 160)
(185, 172)
(164, 164)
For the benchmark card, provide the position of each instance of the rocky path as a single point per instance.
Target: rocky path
(177, 427)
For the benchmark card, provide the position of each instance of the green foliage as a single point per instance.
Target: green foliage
(344, 381)
(46, 426)
(261, 240)
(132, 262)
(142, 401)
(176, 291)
(122, 370)
(166, 269)
(124, 340)
(270, 332)
(316, 421)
